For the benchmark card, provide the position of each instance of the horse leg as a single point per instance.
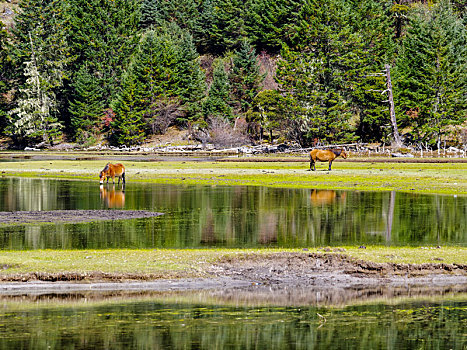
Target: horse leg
(312, 162)
(330, 162)
(123, 178)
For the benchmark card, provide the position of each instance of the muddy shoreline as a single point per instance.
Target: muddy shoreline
(71, 216)
(336, 274)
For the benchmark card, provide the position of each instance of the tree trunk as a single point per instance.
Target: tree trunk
(397, 137)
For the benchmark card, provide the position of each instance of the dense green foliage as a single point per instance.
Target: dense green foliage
(3, 75)
(217, 101)
(162, 82)
(432, 73)
(126, 69)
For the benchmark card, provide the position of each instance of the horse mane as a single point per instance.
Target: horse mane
(337, 152)
(106, 168)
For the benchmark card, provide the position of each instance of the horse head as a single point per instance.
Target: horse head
(344, 154)
(101, 177)
(103, 173)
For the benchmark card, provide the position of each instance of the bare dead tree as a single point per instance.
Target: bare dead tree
(397, 137)
(163, 114)
(221, 134)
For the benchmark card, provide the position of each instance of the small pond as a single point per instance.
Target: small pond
(229, 216)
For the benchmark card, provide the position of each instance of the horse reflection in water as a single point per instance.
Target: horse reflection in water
(325, 197)
(112, 198)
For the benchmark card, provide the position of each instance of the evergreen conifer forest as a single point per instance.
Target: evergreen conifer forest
(300, 71)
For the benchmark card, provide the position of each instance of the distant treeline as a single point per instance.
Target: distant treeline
(298, 70)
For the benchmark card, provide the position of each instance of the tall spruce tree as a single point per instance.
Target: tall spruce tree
(42, 58)
(150, 13)
(245, 76)
(156, 13)
(204, 26)
(431, 73)
(323, 69)
(192, 85)
(34, 119)
(375, 48)
(87, 108)
(268, 111)
(217, 101)
(228, 27)
(163, 79)
(104, 35)
(313, 72)
(268, 21)
(4, 76)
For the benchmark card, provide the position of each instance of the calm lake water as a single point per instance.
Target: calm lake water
(155, 324)
(230, 216)
(260, 318)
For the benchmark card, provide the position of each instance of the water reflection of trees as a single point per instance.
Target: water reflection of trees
(235, 216)
(149, 325)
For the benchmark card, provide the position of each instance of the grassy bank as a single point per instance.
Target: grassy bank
(168, 263)
(443, 178)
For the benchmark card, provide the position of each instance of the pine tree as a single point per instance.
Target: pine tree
(162, 81)
(41, 52)
(216, 103)
(103, 36)
(87, 109)
(128, 127)
(204, 26)
(267, 22)
(314, 80)
(191, 78)
(375, 48)
(4, 77)
(148, 77)
(323, 69)
(245, 76)
(228, 28)
(269, 112)
(35, 117)
(431, 73)
(157, 13)
(150, 13)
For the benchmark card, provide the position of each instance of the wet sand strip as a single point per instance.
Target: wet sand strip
(71, 216)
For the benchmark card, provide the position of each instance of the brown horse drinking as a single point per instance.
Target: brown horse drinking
(113, 171)
(324, 155)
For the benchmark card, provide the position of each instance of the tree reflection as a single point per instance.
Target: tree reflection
(231, 216)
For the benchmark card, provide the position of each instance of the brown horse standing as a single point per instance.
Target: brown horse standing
(324, 155)
(113, 171)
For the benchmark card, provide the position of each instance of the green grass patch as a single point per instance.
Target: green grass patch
(442, 178)
(195, 261)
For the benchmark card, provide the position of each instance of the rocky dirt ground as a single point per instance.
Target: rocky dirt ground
(333, 276)
(71, 216)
